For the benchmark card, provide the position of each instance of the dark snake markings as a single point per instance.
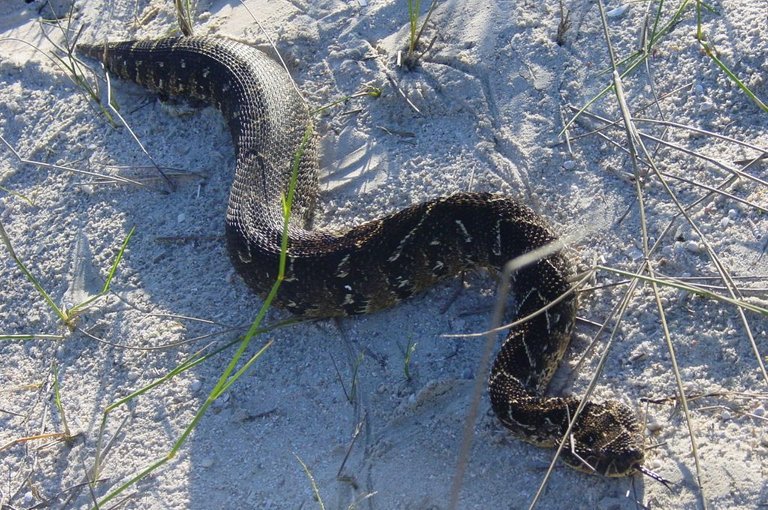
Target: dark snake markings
(381, 262)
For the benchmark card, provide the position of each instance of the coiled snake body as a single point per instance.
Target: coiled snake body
(381, 262)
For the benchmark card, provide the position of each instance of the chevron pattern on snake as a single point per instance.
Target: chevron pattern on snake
(379, 263)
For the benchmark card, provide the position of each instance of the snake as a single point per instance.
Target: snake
(376, 264)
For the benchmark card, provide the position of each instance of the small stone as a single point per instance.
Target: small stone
(724, 222)
(569, 164)
(692, 246)
(759, 412)
(725, 415)
(733, 214)
(618, 11)
(635, 254)
(195, 385)
(653, 426)
(241, 415)
(181, 217)
(221, 402)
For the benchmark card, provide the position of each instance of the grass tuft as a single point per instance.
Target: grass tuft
(185, 15)
(68, 317)
(415, 31)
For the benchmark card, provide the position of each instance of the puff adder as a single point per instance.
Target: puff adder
(379, 263)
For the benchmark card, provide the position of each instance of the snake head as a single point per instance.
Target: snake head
(606, 440)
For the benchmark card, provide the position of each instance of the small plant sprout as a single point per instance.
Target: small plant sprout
(415, 31)
(67, 316)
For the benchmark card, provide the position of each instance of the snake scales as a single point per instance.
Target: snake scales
(379, 263)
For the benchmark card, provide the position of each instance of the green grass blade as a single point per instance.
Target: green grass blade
(17, 195)
(711, 54)
(105, 289)
(61, 313)
(227, 377)
(315, 489)
(746, 305)
(31, 336)
(57, 400)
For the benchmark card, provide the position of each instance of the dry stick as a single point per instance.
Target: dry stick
(718, 190)
(163, 347)
(707, 187)
(665, 278)
(665, 281)
(641, 108)
(676, 284)
(31, 336)
(616, 314)
(91, 477)
(566, 134)
(601, 363)
(612, 123)
(696, 396)
(759, 291)
(64, 167)
(735, 171)
(498, 329)
(645, 43)
(634, 139)
(729, 180)
(621, 308)
(394, 84)
(141, 146)
(481, 375)
(635, 142)
(178, 174)
(712, 189)
(762, 150)
(274, 47)
(25, 482)
(706, 158)
(724, 274)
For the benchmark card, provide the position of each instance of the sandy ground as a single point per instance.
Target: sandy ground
(491, 96)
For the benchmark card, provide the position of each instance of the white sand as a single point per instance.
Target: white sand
(490, 94)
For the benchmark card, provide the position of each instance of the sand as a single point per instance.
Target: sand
(484, 110)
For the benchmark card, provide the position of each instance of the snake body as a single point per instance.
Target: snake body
(379, 263)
